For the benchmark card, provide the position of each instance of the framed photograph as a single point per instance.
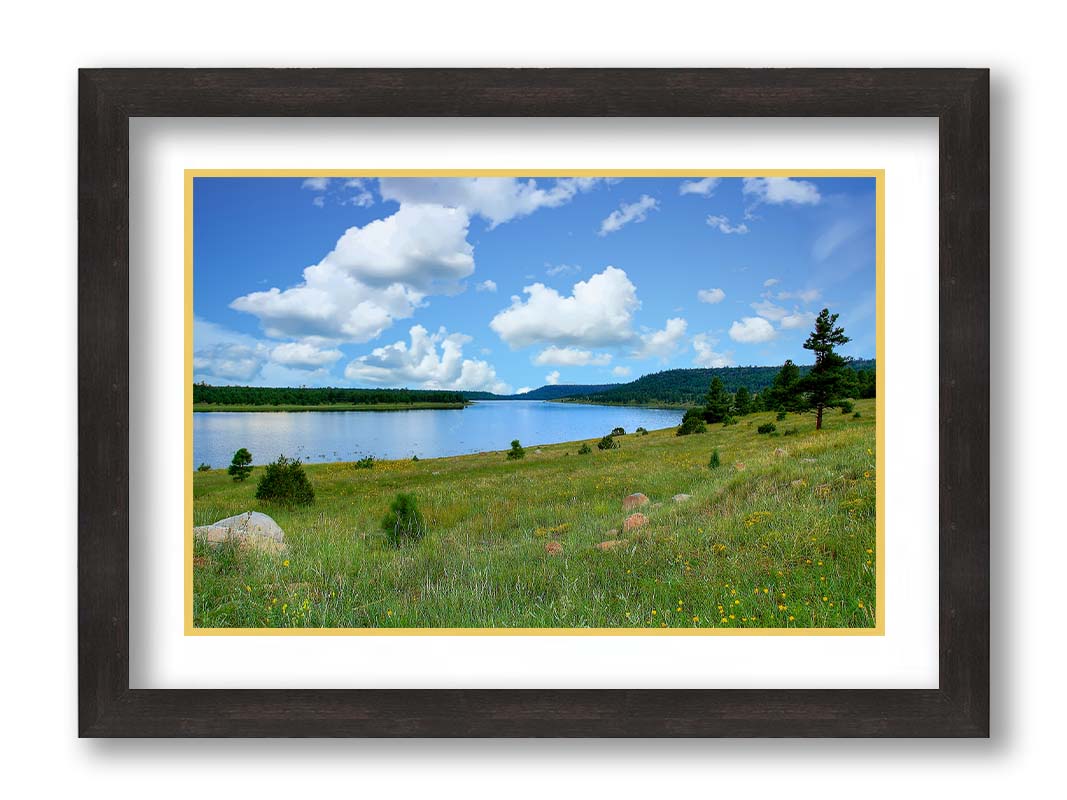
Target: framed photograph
(534, 403)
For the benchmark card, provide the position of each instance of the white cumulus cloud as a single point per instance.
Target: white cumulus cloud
(375, 274)
(316, 184)
(498, 200)
(797, 319)
(706, 356)
(486, 286)
(523, 389)
(627, 213)
(552, 378)
(571, 357)
(431, 361)
(597, 313)
(771, 282)
(303, 355)
(704, 187)
(711, 296)
(768, 310)
(752, 330)
(620, 371)
(724, 226)
(662, 344)
(776, 191)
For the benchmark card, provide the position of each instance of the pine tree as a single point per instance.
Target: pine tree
(718, 403)
(742, 401)
(240, 468)
(822, 387)
(782, 394)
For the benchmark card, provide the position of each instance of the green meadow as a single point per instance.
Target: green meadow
(782, 534)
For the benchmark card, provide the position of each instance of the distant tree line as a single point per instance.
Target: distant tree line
(690, 386)
(303, 396)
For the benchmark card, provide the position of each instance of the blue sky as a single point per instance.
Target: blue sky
(503, 284)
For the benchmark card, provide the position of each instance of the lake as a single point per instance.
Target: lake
(319, 436)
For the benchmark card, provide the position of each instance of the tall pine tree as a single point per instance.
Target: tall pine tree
(782, 394)
(824, 385)
(742, 401)
(718, 403)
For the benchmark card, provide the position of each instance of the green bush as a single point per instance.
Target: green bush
(791, 432)
(618, 431)
(585, 449)
(516, 452)
(286, 483)
(607, 443)
(241, 466)
(641, 432)
(846, 406)
(404, 521)
(367, 462)
(414, 458)
(714, 462)
(857, 415)
(728, 420)
(780, 416)
(691, 425)
(203, 467)
(766, 427)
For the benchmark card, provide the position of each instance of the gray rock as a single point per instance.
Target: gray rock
(681, 498)
(634, 500)
(252, 527)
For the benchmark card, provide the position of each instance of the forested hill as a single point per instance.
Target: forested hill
(203, 394)
(689, 386)
(545, 392)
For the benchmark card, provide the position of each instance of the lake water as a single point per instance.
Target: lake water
(318, 436)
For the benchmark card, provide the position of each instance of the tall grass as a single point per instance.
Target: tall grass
(767, 540)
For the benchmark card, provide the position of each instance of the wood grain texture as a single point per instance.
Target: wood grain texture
(107, 100)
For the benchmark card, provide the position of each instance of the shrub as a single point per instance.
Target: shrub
(780, 416)
(857, 415)
(203, 467)
(714, 462)
(691, 425)
(766, 427)
(585, 449)
(367, 462)
(516, 452)
(641, 432)
(414, 458)
(728, 420)
(618, 431)
(846, 407)
(241, 466)
(404, 521)
(790, 432)
(607, 443)
(285, 482)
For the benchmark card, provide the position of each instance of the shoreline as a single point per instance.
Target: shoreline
(210, 408)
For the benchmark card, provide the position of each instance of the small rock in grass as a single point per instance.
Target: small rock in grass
(251, 529)
(808, 460)
(681, 498)
(553, 548)
(634, 500)
(611, 544)
(634, 521)
(780, 451)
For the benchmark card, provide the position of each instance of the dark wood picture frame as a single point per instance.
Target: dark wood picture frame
(109, 98)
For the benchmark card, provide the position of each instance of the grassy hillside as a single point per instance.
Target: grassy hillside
(766, 540)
